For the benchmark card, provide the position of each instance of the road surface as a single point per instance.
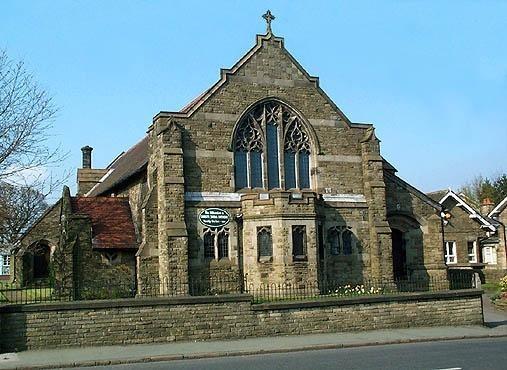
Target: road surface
(480, 354)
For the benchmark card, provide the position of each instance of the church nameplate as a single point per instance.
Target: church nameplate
(214, 217)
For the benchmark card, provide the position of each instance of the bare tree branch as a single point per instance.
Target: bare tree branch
(26, 116)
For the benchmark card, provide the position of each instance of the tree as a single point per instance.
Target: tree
(20, 207)
(481, 188)
(26, 115)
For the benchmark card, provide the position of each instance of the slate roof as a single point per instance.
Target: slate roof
(122, 168)
(112, 225)
(437, 194)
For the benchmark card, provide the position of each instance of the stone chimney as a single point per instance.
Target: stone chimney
(87, 177)
(87, 156)
(487, 206)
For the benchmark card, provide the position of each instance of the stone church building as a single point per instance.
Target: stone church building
(262, 177)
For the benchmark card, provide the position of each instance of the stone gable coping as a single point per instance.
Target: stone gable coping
(225, 74)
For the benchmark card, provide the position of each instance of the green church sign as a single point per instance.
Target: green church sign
(214, 217)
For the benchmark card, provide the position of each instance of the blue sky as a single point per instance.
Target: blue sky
(430, 75)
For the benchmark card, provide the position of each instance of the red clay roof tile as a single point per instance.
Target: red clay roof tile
(112, 225)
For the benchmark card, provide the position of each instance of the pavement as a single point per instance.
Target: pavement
(495, 326)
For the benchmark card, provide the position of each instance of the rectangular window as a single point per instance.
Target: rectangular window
(450, 252)
(290, 170)
(264, 243)
(489, 255)
(240, 172)
(5, 267)
(304, 170)
(272, 152)
(472, 251)
(256, 168)
(299, 242)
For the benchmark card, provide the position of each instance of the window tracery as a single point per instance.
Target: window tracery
(270, 141)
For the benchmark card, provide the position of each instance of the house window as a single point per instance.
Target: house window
(216, 243)
(264, 243)
(299, 242)
(5, 267)
(340, 240)
(450, 252)
(266, 131)
(472, 251)
(489, 255)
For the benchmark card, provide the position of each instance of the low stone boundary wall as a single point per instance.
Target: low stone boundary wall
(144, 320)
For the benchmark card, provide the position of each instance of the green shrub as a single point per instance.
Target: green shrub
(503, 284)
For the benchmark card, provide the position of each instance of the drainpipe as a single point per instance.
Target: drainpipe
(443, 233)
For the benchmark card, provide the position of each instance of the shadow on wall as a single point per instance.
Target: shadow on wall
(340, 251)
(192, 170)
(407, 240)
(36, 263)
(13, 332)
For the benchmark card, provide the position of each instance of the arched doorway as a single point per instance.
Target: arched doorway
(41, 255)
(399, 254)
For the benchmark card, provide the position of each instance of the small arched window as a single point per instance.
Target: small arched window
(340, 240)
(267, 131)
(264, 242)
(216, 243)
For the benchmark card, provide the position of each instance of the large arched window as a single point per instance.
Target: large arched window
(271, 149)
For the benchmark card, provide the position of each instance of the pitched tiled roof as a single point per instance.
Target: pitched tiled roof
(126, 165)
(112, 225)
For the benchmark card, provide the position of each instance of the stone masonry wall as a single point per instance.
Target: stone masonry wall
(134, 321)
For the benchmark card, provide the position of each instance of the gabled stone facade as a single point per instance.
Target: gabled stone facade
(351, 199)
(306, 193)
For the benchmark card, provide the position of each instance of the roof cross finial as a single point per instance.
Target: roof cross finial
(268, 17)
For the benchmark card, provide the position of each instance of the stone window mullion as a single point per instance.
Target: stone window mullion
(216, 244)
(248, 171)
(281, 159)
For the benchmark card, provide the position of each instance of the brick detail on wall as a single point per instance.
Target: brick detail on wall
(134, 321)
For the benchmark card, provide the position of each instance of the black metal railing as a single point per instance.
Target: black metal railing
(270, 292)
(47, 291)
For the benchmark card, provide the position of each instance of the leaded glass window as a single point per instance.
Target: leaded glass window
(264, 242)
(299, 242)
(297, 157)
(209, 244)
(334, 241)
(216, 243)
(347, 241)
(248, 151)
(266, 131)
(223, 243)
(273, 165)
(340, 240)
